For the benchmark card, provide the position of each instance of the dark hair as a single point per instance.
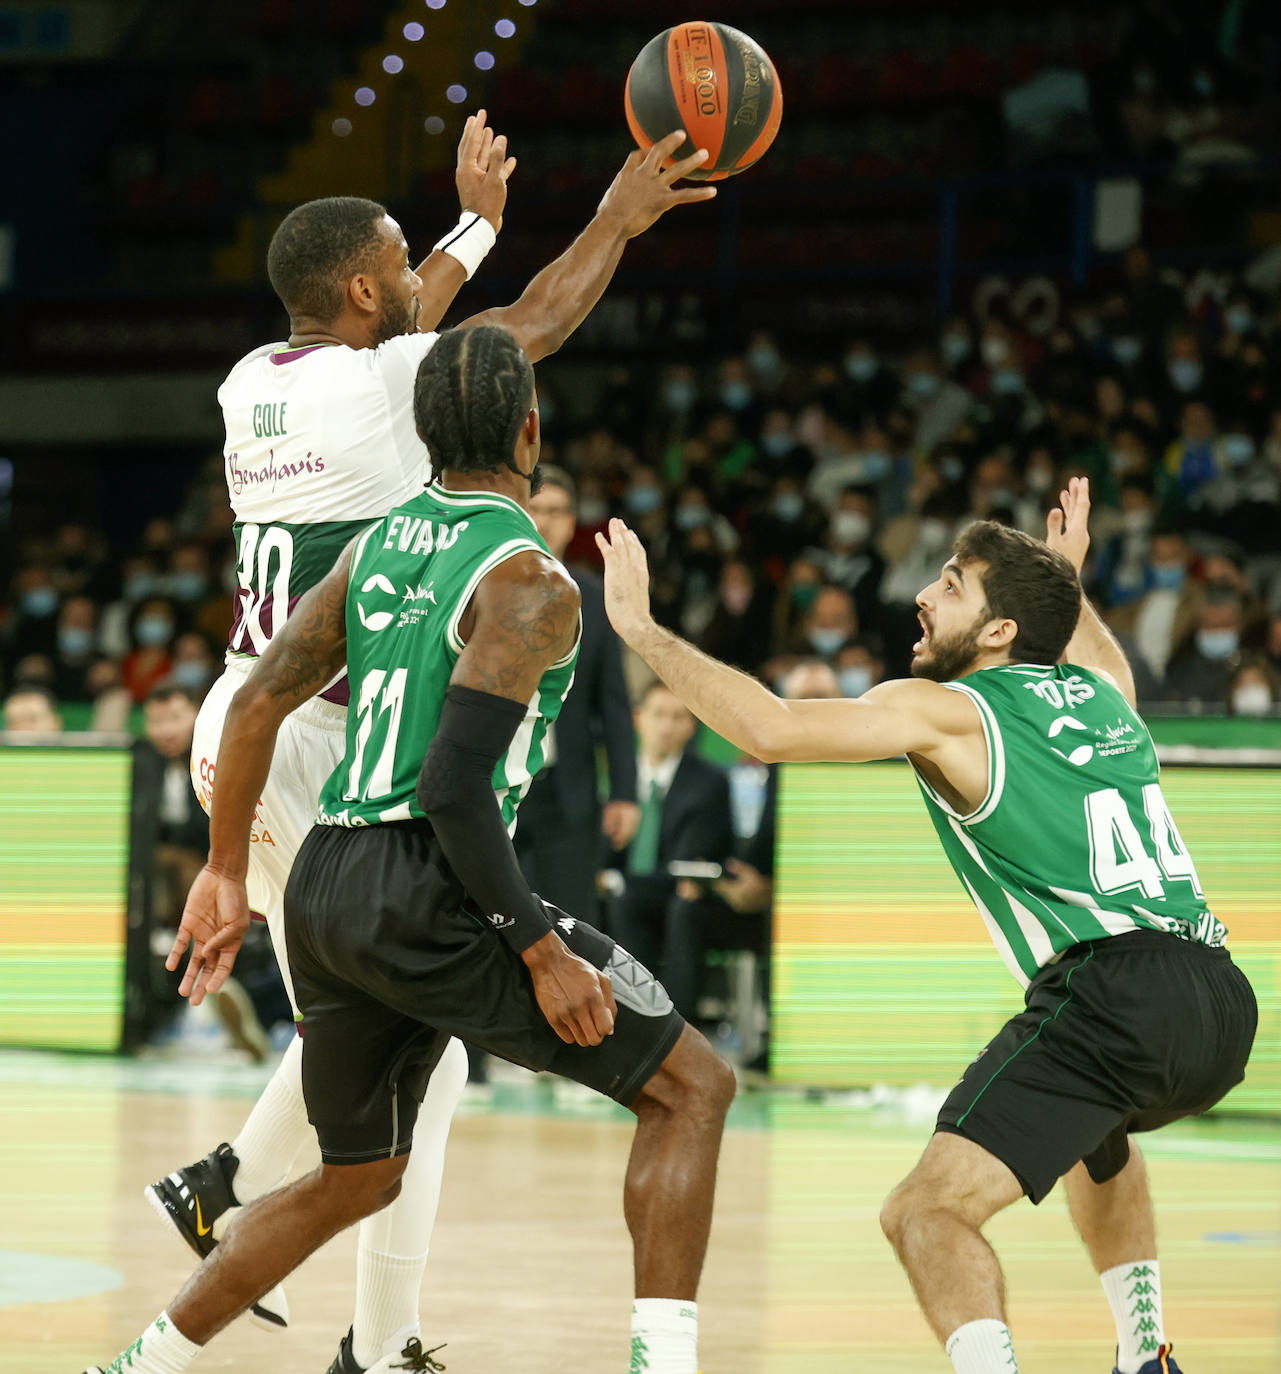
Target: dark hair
(25, 688)
(562, 481)
(166, 691)
(317, 248)
(1027, 582)
(471, 396)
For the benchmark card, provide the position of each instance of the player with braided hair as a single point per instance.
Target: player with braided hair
(321, 440)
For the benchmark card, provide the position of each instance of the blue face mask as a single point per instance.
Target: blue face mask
(922, 385)
(1217, 644)
(861, 367)
(826, 642)
(955, 348)
(854, 680)
(691, 517)
(643, 500)
(189, 586)
(1007, 381)
(74, 641)
(778, 444)
(1127, 349)
(788, 505)
(765, 362)
(1185, 374)
(1168, 577)
(877, 466)
(1238, 448)
(139, 586)
(39, 602)
(154, 630)
(191, 673)
(735, 395)
(1239, 319)
(679, 396)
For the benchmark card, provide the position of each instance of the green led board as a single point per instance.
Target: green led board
(883, 971)
(64, 874)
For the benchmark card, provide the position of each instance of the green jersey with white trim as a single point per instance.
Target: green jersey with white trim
(412, 577)
(1074, 840)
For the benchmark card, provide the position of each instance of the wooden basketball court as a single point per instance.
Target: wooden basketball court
(530, 1265)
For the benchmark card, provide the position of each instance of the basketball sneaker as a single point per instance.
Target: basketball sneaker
(413, 1357)
(192, 1199)
(1163, 1364)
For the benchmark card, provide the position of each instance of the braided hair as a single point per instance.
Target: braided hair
(471, 396)
(318, 247)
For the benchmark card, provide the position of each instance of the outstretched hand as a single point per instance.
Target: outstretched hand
(214, 922)
(643, 189)
(483, 169)
(1067, 525)
(626, 579)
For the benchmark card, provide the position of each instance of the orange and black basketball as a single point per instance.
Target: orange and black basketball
(714, 82)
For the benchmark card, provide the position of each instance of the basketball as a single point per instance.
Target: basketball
(717, 84)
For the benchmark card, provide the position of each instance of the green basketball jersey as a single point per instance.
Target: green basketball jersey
(412, 577)
(1074, 840)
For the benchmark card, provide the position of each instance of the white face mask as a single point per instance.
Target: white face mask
(851, 526)
(1252, 699)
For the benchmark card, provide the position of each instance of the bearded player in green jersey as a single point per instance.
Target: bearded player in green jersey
(1041, 781)
(406, 914)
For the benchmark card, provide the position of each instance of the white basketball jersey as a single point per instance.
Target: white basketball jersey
(320, 440)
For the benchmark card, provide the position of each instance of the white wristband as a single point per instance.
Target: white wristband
(468, 241)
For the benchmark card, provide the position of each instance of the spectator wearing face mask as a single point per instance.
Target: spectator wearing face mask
(188, 578)
(76, 648)
(957, 352)
(1253, 690)
(1167, 612)
(859, 667)
(32, 627)
(829, 625)
(796, 596)
(1194, 459)
(1202, 669)
(139, 578)
(194, 663)
(868, 388)
(850, 558)
(739, 629)
(1242, 501)
(150, 660)
(784, 524)
(765, 364)
(1122, 573)
(937, 405)
(1186, 377)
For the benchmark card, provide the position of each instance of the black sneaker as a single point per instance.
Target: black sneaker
(192, 1199)
(413, 1358)
(345, 1361)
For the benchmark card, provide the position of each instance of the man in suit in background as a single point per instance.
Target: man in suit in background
(563, 827)
(685, 815)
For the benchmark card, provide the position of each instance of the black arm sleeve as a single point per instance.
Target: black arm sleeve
(456, 791)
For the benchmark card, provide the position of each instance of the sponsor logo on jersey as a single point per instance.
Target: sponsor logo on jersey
(567, 924)
(239, 479)
(374, 621)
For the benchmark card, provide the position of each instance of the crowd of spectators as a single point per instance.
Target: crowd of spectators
(793, 506)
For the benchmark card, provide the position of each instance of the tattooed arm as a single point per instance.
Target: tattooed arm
(301, 659)
(522, 619)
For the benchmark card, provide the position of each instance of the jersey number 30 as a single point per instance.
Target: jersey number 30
(1119, 860)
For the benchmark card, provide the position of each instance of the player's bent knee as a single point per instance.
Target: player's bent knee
(693, 1080)
(360, 1190)
(896, 1212)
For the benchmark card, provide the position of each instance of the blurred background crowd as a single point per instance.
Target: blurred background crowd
(993, 247)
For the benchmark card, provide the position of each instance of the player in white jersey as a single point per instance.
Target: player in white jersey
(320, 441)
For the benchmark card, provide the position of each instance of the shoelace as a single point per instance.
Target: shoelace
(418, 1358)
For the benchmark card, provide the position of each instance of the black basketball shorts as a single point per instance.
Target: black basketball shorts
(388, 961)
(1123, 1034)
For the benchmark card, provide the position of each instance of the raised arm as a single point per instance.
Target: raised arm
(1092, 644)
(481, 179)
(522, 619)
(907, 716)
(561, 296)
(305, 655)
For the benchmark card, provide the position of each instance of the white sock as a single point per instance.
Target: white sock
(273, 1133)
(982, 1347)
(1134, 1295)
(161, 1349)
(392, 1249)
(664, 1336)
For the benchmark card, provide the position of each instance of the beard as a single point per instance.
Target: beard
(945, 658)
(396, 318)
